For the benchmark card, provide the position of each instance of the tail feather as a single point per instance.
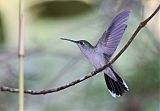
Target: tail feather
(116, 88)
(120, 79)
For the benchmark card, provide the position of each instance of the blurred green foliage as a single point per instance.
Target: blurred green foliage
(61, 9)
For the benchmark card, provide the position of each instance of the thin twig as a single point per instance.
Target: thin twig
(47, 91)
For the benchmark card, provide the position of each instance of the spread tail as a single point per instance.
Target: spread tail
(116, 88)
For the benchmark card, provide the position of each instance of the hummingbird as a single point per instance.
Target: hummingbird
(100, 54)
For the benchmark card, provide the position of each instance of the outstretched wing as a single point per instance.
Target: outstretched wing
(110, 39)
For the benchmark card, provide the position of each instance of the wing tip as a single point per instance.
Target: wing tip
(126, 11)
(121, 16)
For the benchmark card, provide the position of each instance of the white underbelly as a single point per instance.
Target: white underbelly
(99, 61)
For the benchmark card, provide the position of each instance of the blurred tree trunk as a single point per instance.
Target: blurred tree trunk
(1, 31)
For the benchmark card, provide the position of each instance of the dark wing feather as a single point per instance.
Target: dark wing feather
(111, 38)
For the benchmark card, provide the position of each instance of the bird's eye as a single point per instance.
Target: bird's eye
(81, 43)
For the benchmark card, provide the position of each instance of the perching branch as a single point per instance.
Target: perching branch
(93, 73)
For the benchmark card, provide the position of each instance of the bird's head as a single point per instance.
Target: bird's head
(82, 44)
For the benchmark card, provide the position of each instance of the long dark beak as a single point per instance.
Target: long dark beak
(69, 40)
